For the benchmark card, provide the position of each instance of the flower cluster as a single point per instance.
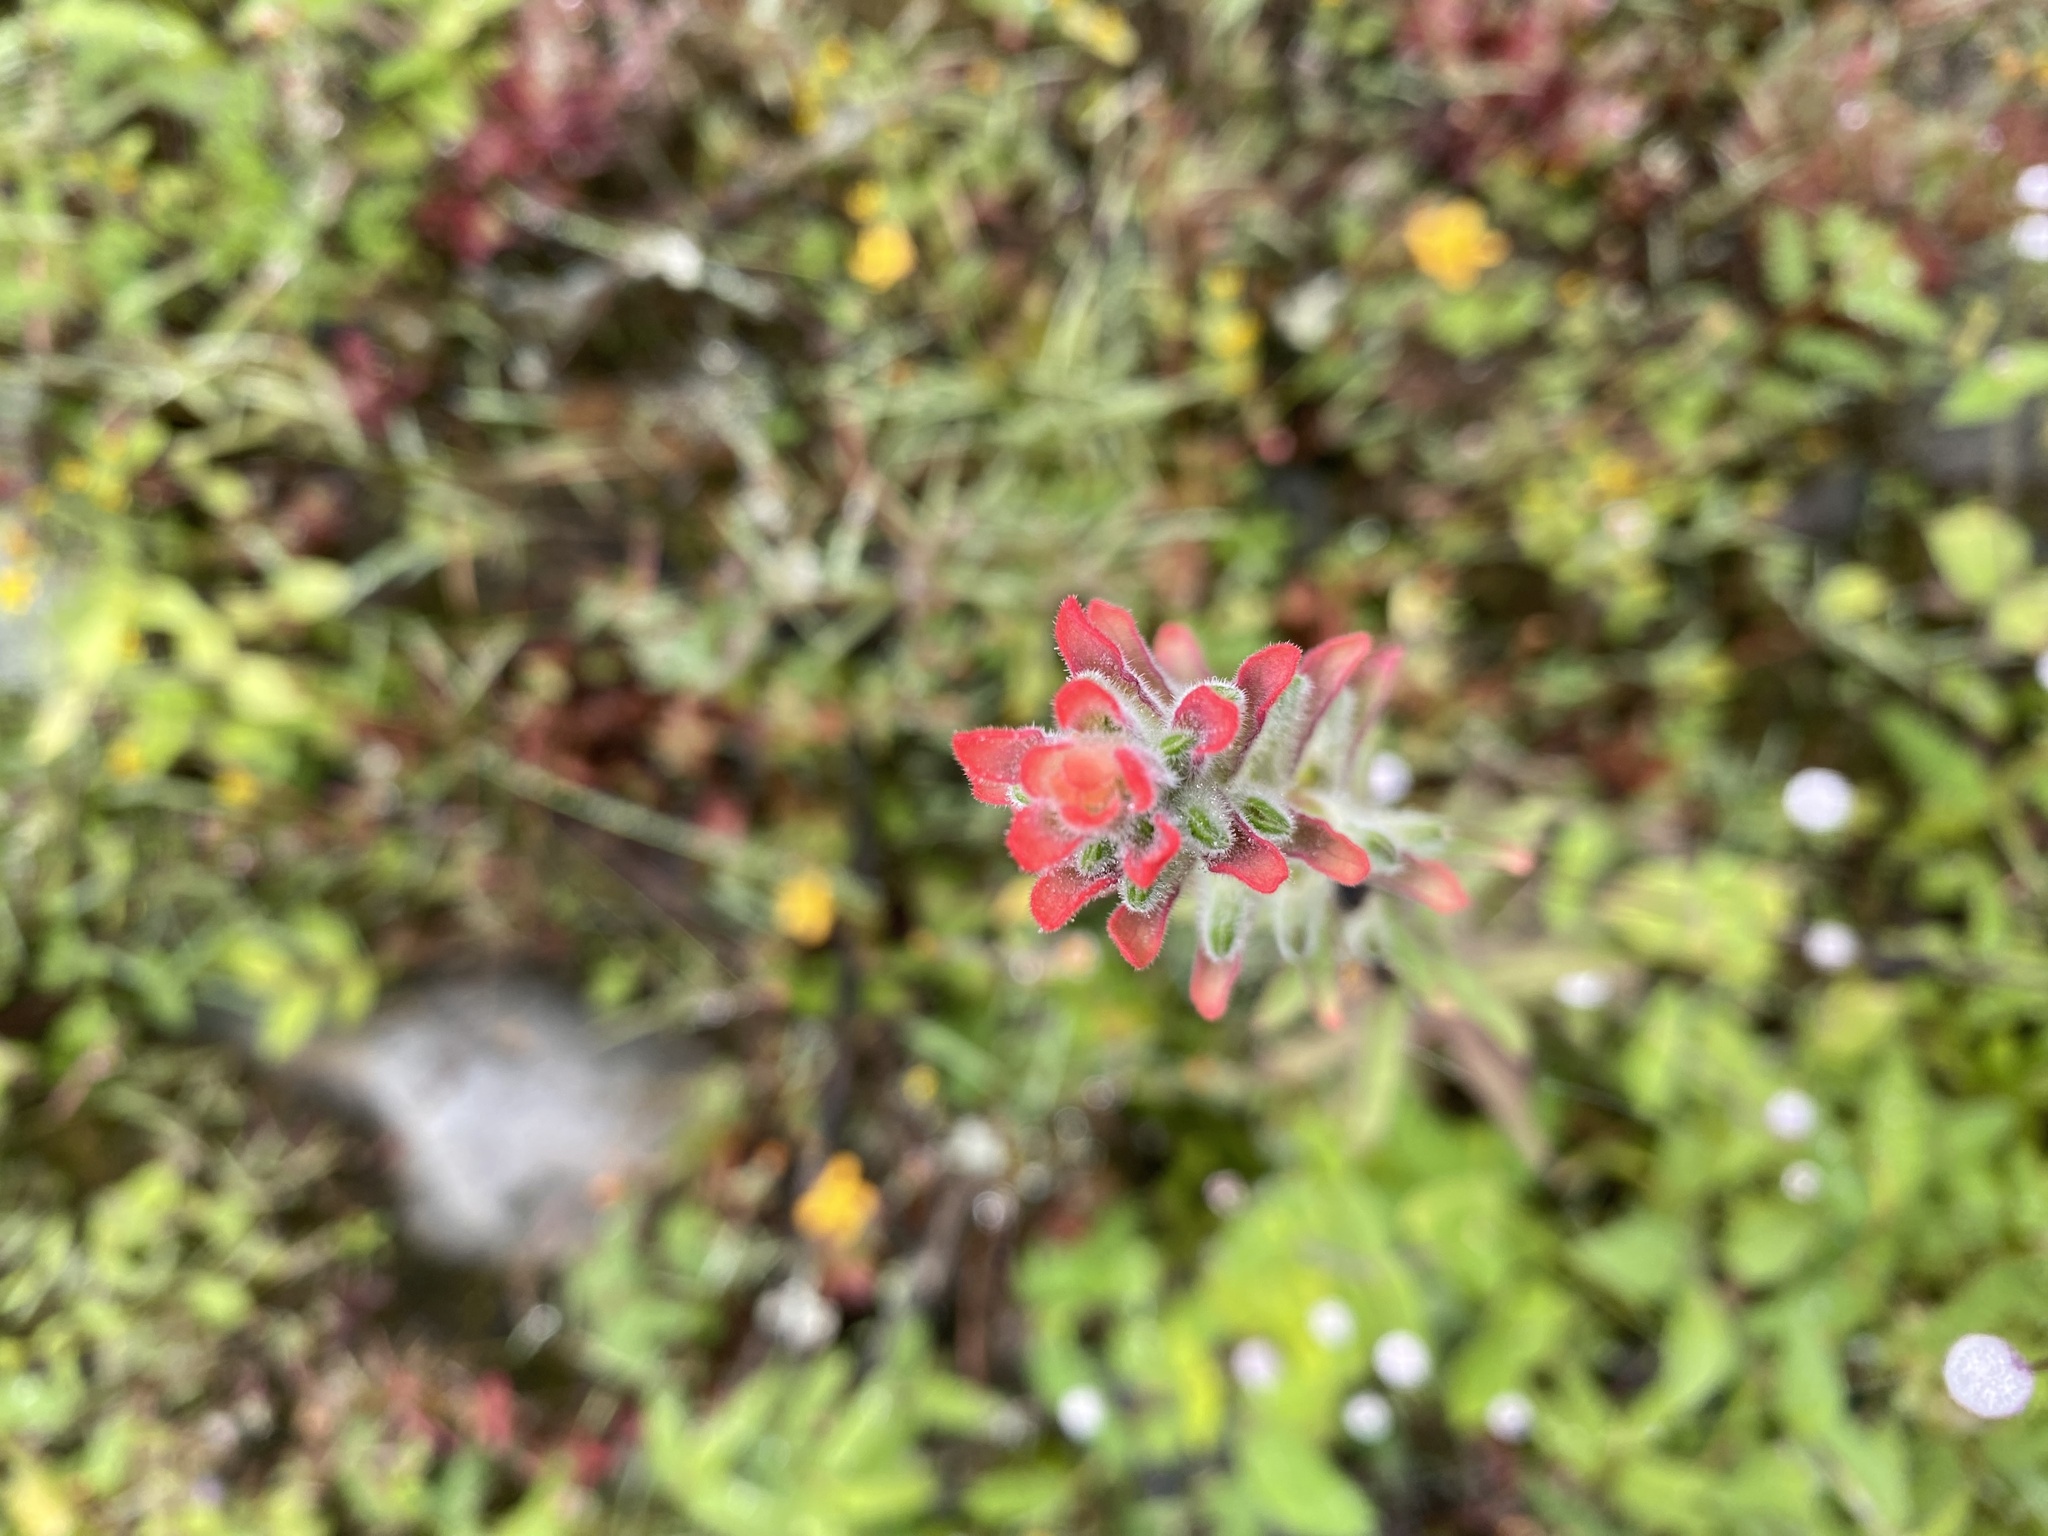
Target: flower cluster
(1157, 772)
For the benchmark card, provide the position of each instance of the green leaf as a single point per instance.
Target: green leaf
(1767, 1239)
(1697, 1354)
(1295, 1489)
(2019, 617)
(1897, 1126)
(1787, 259)
(1979, 551)
(1852, 594)
(1641, 1257)
(1719, 915)
(1997, 387)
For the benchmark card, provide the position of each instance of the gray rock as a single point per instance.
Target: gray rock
(513, 1120)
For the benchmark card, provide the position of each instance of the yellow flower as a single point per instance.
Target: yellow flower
(125, 760)
(1573, 289)
(73, 475)
(1103, 32)
(237, 788)
(839, 1205)
(984, 76)
(804, 907)
(921, 1084)
(835, 57)
(1225, 285)
(1234, 335)
(2010, 64)
(17, 588)
(806, 106)
(863, 204)
(1452, 243)
(1615, 475)
(882, 257)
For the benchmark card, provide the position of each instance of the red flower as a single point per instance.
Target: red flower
(1091, 783)
(1156, 771)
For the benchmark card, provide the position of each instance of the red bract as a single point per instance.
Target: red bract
(1155, 770)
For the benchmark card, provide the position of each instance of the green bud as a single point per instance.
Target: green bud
(1203, 828)
(1096, 856)
(1177, 743)
(1266, 817)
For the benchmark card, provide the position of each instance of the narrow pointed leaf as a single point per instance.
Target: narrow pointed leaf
(1180, 654)
(1266, 674)
(1124, 633)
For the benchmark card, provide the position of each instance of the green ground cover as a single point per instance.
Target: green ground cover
(542, 484)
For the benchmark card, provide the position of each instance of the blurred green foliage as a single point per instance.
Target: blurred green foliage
(492, 482)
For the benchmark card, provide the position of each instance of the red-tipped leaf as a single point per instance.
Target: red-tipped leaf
(1125, 635)
(1138, 936)
(1252, 859)
(1431, 883)
(1210, 985)
(1038, 839)
(1331, 665)
(1083, 704)
(1084, 648)
(1266, 674)
(1143, 864)
(1180, 654)
(1327, 851)
(993, 758)
(1060, 893)
(1211, 717)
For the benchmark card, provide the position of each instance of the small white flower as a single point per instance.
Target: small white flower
(976, 1150)
(1790, 1114)
(2032, 188)
(1629, 524)
(1388, 778)
(1331, 1324)
(1830, 945)
(1819, 800)
(1368, 1418)
(1401, 1360)
(2030, 237)
(1509, 1417)
(1801, 1181)
(1255, 1365)
(798, 1315)
(1583, 989)
(994, 1209)
(1987, 1376)
(1224, 1191)
(1307, 316)
(1853, 115)
(1082, 1412)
